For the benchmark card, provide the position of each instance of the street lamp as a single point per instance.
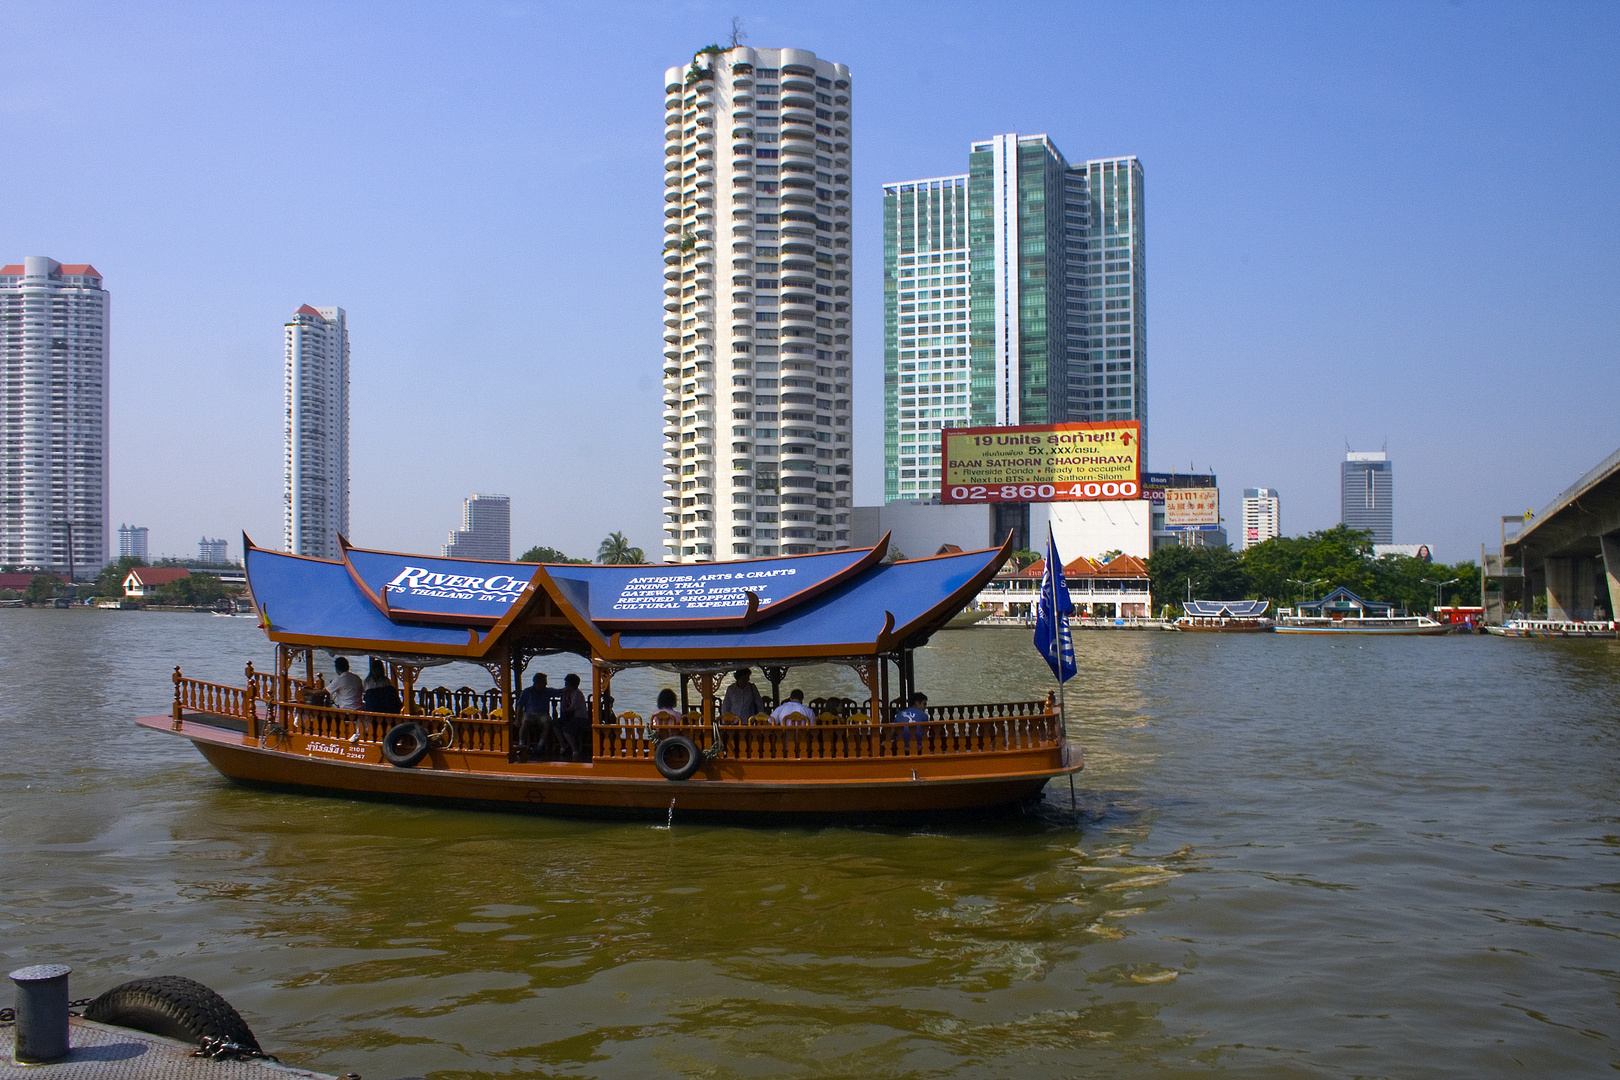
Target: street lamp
(1190, 584)
(1438, 585)
(1305, 586)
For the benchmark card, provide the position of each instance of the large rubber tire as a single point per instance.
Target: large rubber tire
(410, 734)
(677, 757)
(172, 1006)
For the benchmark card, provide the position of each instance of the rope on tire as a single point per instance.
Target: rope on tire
(222, 1049)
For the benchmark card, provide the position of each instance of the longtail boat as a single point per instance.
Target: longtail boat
(696, 623)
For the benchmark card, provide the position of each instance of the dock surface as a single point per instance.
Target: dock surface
(103, 1052)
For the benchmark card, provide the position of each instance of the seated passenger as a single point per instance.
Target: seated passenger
(666, 712)
(916, 713)
(793, 711)
(348, 692)
(378, 693)
(742, 698)
(534, 708)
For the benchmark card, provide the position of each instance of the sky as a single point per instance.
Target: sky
(1381, 225)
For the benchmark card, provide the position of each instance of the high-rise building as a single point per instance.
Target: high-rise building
(1262, 516)
(486, 529)
(53, 415)
(1367, 494)
(757, 359)
(132, 541)
(212, 551)
(1013, 294)
(317, 431)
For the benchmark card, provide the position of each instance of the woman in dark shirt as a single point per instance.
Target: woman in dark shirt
(379, 695)
(574, 722)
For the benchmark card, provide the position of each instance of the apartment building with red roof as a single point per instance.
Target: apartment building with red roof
(53, 431)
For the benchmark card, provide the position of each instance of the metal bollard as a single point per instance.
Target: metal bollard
(42, 1013)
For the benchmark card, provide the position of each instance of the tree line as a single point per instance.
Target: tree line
(614, 550)
(1288, 569)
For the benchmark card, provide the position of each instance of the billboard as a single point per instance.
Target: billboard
(1041, 463)
(1154, 483)
(1192, 509)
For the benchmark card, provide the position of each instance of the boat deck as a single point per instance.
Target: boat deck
(103, 1052)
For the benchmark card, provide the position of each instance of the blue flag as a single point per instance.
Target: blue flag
(1052, 616)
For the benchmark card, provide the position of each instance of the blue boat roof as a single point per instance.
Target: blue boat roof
(1229, 609)
(845, 603)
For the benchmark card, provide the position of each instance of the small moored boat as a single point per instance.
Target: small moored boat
(1556, 628)
(695, 622)
(1225, 616)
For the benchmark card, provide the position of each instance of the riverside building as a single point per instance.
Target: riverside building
(132, 541)
(1013, 294)
(1367, 494)
(316, 488)
(486, 530)
(1262, 516)
(757, 297)
(53, 423)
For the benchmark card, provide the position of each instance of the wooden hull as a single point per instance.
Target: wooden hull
(896, 784)
(1244, 626)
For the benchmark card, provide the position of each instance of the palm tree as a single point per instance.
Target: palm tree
(616, 550)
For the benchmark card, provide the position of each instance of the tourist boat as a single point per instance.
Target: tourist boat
(1225, 616)
(1556, 628)
(967, 617)
(1343, 612)
(697, 623)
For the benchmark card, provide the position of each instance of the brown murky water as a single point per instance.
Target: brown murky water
(1287, 857)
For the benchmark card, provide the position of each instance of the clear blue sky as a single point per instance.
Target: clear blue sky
(1373, 222)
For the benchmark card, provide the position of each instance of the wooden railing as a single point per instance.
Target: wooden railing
(207, 697)
(318, 721)
(840, 742)
(953, 729)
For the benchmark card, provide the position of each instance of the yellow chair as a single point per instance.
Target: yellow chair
(471, 713)
(760, 720)
(497, 713)
(829, 718)
(442, 711)
(859, 718)
(730, 718)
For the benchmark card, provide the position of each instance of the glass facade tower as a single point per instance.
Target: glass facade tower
(1032, 313)
(757, 295)
(1367, 494)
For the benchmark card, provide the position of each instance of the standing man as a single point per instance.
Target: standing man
(742, 698)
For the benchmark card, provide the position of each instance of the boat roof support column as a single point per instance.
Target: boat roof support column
(870, 672)
(508, 677)
(774, 674)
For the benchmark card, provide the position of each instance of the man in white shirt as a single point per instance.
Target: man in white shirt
(792, 711)
(347, 689)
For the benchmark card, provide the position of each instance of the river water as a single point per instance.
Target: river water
(1287, 857)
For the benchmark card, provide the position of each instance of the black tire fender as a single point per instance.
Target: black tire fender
(405, 744)
(172, 1006)
(677, 757)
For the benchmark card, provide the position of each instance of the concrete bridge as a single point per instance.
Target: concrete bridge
(1572, 548)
